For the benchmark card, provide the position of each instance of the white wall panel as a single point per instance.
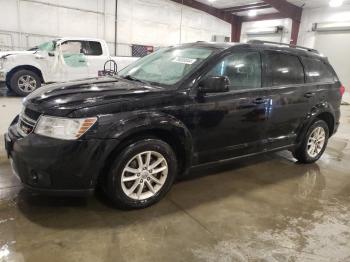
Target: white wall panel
(38, 18)
(331, 44)
(77, 23)
(148, 22)
(8, 15)
(286, 36)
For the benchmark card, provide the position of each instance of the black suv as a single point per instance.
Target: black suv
(180, 107)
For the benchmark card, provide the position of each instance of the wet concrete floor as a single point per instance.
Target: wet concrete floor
(266, 208)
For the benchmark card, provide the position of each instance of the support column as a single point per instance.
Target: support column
(236, 28)
(295, 32)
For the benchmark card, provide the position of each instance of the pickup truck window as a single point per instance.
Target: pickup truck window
(167, 66)
(92, 48)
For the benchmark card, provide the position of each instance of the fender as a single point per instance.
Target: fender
(132, 124)
(320, 109)
(25, 61)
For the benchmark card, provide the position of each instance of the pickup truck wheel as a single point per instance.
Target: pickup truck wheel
(314, 143)
(142, 174)
(23, 82)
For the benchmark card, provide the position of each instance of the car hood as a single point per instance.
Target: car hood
(63, 98)
(7, 53)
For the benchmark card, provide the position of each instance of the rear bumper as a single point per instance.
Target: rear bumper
(57, 167)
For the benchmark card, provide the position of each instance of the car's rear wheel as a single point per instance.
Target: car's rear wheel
(142, 174)
(23, 82)
(314, 143)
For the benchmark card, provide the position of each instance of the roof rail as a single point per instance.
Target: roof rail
(283, 44)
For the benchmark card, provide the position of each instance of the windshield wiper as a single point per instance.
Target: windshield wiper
(130, 77)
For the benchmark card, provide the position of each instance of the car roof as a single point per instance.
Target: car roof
(295, 50)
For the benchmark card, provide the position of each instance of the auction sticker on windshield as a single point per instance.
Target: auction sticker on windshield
(184, 60)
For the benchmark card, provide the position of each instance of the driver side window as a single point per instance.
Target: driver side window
(242, 68)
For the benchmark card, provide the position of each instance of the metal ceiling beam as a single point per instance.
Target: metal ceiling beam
(287, 9)
(221, 14)
(263, 17)
(242, 8)
(235, 21)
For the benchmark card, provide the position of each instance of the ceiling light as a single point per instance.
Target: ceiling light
(336, 3)
(252, 13)
(211, 1)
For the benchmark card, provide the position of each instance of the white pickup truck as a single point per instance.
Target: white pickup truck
(59, 60)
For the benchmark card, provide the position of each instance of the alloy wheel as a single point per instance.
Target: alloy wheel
(144, 175)
(316, 142)
(27, 83)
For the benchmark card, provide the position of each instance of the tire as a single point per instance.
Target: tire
(23, 82)
(304, 153)
(126, 195)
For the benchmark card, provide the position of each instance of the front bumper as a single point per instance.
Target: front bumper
(56, 166)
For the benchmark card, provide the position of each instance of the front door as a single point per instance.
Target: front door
(232, 124)
(72, 63)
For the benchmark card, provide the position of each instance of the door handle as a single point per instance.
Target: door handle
(259, 101)
(309, 94)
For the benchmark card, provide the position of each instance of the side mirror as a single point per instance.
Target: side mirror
(214, 84)
(51, 53)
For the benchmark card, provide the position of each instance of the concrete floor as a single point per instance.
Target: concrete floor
(266, 208)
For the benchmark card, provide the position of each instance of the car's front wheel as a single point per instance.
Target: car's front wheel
(314, 143)
(142, 174)
(23, 82)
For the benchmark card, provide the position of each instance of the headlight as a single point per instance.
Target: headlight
(63, 128)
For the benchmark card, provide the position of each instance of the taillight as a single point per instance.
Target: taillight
(342, 90)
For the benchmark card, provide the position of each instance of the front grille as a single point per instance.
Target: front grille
(27, 123)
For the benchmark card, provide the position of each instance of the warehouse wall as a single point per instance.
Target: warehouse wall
(157, 22)
(25, 23)
(284, 37)
(320, 15)
(332, 44)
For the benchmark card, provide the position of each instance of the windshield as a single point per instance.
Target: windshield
(47, 46)
(167, 66)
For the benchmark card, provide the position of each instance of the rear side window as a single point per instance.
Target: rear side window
(92, 48)
(317, 71)
(283, 69)
(242, 68)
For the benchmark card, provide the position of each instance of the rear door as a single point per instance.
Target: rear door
(290, 98)
(96, 57)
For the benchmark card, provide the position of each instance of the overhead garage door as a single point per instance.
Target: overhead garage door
(335, 45)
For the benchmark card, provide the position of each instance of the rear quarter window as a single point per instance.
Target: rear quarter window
(282, 69)
(93, 48)
(318, 71)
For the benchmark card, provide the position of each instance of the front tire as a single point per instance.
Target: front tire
(142, 174)
(314, 143)
(23, 82)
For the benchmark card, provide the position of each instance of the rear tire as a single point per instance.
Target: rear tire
(314, 143)
(23, 82)
(133, 183)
